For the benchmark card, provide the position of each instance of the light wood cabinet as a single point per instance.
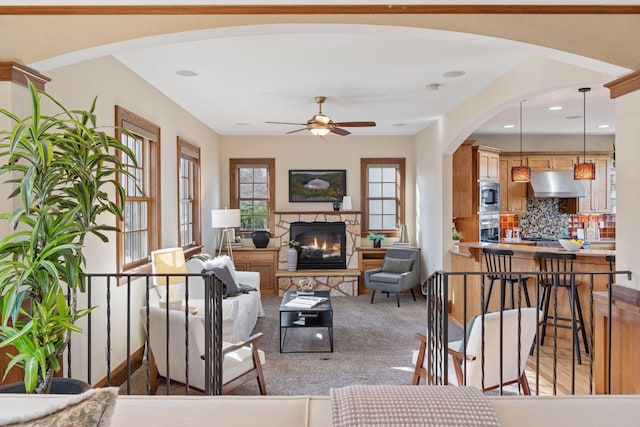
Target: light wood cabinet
(465, 193)
(598, 199)
(513, 195)
(488, 164)
(548, 162)
(368, 259)
(264, 261)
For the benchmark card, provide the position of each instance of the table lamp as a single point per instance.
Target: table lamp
(225, 219)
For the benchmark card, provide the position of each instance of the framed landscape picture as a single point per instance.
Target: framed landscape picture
(317, 185)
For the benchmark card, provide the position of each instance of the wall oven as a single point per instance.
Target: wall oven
(489, 195)
(489, 227)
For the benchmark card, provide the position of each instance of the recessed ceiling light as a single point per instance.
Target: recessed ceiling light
(433, 86)
(454, 73)
(243, 124)
(573, 117)
(509, 126)
(603, 126)
(555, 108)
(186, 73)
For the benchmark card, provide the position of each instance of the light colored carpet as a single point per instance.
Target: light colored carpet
(373, 344)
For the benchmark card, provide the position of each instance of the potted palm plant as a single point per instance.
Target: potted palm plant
(61, 168)
(376, 239)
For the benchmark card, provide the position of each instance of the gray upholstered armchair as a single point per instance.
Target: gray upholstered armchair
(399, 272)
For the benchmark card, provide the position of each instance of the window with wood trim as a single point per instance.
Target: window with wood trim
(252, 190)
(189, 218)
(140, 231)
(383, 189)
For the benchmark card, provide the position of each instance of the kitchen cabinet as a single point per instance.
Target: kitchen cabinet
(513, 195)
(552, 162)
(264, 261)
(488, 164)
(465, 192)
(598, 199)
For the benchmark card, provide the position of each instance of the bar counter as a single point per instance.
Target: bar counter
(468, 257)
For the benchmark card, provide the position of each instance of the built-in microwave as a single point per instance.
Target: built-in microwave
(489, 195)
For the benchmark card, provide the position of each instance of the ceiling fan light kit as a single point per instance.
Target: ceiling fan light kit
(320, 125)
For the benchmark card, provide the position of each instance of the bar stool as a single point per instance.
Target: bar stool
(556, 271)
(499, 261)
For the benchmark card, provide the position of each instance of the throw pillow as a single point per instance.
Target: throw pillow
(396, 265)
(223, 268)
(92, 408)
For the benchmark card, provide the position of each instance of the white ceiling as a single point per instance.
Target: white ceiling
(249, 75)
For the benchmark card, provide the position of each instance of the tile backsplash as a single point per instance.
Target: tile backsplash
(547, 217)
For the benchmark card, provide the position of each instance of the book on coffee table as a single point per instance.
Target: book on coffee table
(305, 301)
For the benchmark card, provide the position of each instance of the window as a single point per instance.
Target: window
(189, 219)
(140, 230)
(252, 190)
(382, 195)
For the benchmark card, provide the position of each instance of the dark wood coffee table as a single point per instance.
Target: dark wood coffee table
(319, 316)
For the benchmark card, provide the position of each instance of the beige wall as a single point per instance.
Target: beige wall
(75, 87)
(310, 152)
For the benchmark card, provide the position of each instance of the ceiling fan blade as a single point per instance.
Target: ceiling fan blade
(339, 131)
(294, 131)
(286, 123)
(355, 124)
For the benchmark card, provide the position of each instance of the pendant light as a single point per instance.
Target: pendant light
(584, 170)
(521, 173)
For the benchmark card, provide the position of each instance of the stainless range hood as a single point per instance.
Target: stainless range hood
(558, 184)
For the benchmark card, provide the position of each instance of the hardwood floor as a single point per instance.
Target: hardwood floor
(562, 375)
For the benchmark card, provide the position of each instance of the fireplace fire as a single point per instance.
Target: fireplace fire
(321, 245)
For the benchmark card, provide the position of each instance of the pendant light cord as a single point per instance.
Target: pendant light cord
(584, 91)
(521, 130)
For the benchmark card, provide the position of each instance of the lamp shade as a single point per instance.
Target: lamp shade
(225, 218)
(584, 171)
(319, 131)
(521, 174)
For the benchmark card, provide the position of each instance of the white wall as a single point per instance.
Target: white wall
(310, 152)
(627, 180)
(511, 143)
(75, 87)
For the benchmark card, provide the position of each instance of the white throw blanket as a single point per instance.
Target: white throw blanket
(381, 405)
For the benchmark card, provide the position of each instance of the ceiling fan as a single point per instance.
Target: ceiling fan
(320, 125)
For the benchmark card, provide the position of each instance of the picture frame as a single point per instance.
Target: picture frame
(317, 185)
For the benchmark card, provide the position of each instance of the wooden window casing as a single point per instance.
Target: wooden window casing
(189, 205)
(140, 232)
(383, 195)
(252, 190)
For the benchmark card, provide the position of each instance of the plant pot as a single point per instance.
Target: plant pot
(260, 238)
(377, 243)
(58, 386)
(292, 259)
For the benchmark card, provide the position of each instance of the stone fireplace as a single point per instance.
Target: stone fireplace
(321, 245)
(339, 280)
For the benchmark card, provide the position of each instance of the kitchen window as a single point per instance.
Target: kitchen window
(139, 232)
(383, 189)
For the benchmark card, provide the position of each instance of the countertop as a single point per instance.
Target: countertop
(463, 247)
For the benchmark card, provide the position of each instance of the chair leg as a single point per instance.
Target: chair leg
(526, 292)
(486, 301)
(398, 298)
(545, 303)
(419, 363)
(574, 326)
(260, 376)
(413, 295)
(525, 384)
(373, 292)
(581, 319)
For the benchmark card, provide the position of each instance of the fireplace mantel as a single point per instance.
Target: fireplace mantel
(316, 212)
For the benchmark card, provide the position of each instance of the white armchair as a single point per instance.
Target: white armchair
(242, 361)
(239, 313)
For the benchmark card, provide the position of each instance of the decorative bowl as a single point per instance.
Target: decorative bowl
(570, 246)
